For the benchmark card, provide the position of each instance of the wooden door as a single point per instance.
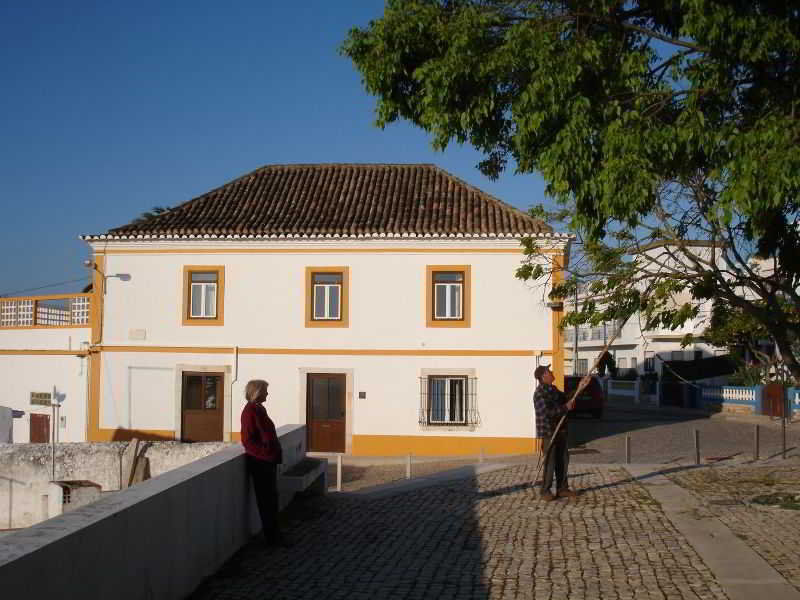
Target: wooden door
(774, 402)
(325, 393)
(40, 428)
(202, 407)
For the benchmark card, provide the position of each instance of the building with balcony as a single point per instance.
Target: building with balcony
(636, 347)
(379, 302)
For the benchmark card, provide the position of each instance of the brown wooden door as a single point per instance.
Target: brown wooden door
(773, 400)
(202, 407)
(325, 394)
(40, 428)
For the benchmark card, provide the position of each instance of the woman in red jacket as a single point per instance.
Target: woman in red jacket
(263, 454)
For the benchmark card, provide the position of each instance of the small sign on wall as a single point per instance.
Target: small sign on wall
(41, 398)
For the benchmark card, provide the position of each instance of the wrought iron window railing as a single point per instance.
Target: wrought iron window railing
(448, 400)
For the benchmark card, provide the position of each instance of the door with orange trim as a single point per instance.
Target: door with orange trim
(325, 393)
(202, 407)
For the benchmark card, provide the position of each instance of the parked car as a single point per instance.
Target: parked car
(592, 399)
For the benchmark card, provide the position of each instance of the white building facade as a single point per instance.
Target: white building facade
(400, 328)
(636, 346)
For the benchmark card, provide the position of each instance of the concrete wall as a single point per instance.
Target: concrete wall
(26, 472)
(156, 540)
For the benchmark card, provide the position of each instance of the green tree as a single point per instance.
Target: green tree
(149, 214)
(654, 124)
(732, 328)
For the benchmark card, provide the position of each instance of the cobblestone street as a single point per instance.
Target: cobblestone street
(726, 491)
(484, 537)
(658, 438)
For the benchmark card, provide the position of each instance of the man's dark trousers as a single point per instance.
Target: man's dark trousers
(265, 484)
(557, 461)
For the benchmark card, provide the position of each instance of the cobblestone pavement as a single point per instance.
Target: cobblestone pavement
(357, 477)
(484, 537)
(726, 492)
(665, 439)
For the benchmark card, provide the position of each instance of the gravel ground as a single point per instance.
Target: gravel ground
(727, 492)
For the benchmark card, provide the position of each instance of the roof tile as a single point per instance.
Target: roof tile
(341, 199)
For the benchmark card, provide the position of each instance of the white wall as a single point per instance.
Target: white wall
(265, 300)
(391, 384)
(51, 338)
(23, 374)
(264, 308)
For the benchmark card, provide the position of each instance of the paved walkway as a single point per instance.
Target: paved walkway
(725, 492)
(487, 535)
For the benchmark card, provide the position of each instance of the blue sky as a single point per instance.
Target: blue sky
(110, 108)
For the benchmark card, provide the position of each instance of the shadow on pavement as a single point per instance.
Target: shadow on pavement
(422, 544)
(616, 421)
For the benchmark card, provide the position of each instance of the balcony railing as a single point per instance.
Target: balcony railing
(63, 310)
(587, 334)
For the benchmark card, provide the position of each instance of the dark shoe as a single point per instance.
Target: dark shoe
(567, 493)
(548, 496)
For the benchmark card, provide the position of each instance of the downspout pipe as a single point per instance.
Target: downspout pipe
(234, 378)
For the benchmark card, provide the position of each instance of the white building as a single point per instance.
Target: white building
(638, 347)
(379, 302)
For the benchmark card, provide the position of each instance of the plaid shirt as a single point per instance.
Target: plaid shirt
(549, 404)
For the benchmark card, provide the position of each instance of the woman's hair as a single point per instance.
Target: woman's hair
(254, 389)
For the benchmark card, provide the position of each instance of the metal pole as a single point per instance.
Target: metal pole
(575, 341)
(408, 466)
(480, 456)
(338, 472)
(696, 447)
(755, 441)
(783, 436)
(53, 435)
(627, 449)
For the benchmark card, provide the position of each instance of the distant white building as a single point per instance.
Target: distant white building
(637, 347)
(379, 301)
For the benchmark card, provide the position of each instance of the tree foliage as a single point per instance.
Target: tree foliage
(654, 123)
(149, 214)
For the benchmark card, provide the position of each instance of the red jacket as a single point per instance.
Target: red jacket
(258, 434)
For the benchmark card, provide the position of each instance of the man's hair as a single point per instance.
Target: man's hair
(540, 370)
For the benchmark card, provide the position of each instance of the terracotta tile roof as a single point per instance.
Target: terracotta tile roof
(339, 200)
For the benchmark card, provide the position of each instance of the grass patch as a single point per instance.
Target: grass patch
(779, 500)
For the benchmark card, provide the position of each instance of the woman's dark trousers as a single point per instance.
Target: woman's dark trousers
(558, 462)
(265, 483)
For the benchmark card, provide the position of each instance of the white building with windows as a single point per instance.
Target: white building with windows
(636, 346)
(378, 301)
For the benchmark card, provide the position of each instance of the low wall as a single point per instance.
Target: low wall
(733, 399)
(157, 539)
(793, 397)
(622, 390)
(26, 472)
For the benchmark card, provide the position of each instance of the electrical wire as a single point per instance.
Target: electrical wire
(41, 287)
